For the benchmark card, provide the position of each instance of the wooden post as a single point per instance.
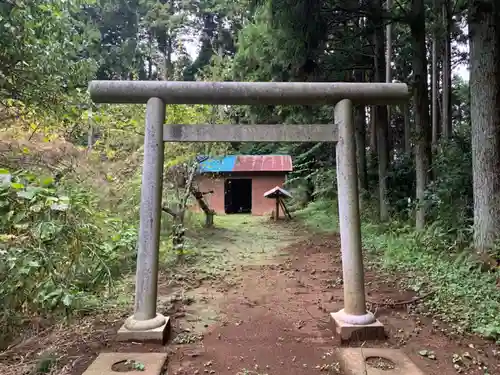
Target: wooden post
(209, 219)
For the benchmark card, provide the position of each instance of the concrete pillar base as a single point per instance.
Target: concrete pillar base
(347, 330)
(103, 364)
(353, 362)
(154, 330)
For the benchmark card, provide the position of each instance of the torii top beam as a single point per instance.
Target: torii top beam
(241, 93)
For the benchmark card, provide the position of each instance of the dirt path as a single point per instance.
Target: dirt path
(257, 302)
(274, 320)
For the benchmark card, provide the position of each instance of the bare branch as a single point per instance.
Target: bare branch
(169, 211)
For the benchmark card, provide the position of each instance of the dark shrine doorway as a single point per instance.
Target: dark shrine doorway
(238, 195)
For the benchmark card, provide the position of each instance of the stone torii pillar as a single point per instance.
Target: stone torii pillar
(353, 321)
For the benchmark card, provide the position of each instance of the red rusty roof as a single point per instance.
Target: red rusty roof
(263, 163)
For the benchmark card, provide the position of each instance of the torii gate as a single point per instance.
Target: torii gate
(351, 321)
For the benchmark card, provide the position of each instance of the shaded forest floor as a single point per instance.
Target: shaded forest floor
(256, 300)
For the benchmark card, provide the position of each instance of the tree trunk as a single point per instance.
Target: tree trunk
(90, 134)
(178, 228)
(434, 88)
(388, 67)
(484, 18)
(150, 56)
(168, 64)
(359, 118)
(90, 138)
(446, 116)
(407, 130)
(381, 117)
(360, 125)
(372, 125)
(421, 104)
(310, 189)
(361, 75)
(373, 134)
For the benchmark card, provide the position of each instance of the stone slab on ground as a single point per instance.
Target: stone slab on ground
(153, 363)
(351, 332)
(353, 362)
(157, 335)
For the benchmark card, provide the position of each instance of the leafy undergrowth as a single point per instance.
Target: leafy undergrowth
(61, 253)
(465, 297)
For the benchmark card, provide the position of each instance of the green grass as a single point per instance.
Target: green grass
(464, 296)
(234, 240)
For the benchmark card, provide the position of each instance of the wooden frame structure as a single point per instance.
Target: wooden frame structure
(279, 194)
